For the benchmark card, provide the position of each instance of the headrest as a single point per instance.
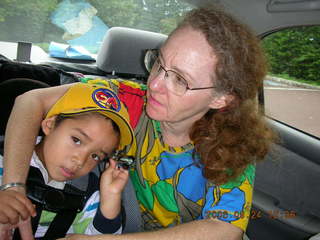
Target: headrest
(122, 50)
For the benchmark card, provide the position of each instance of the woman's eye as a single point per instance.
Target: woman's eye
(76, 140)
(95, 157)
(180, 81)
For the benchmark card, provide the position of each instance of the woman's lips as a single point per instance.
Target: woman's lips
(153, 101)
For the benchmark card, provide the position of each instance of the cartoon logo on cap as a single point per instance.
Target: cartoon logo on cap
(106, 99)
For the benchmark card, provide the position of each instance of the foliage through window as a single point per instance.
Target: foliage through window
(292, 88)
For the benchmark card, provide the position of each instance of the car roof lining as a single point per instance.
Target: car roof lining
(266, 15)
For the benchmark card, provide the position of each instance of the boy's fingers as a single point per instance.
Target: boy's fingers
(111, 166)
(112, 163)
(26, 230)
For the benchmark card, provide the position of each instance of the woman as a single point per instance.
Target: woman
(198, 134)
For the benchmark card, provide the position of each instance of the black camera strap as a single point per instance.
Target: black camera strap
(65, 203)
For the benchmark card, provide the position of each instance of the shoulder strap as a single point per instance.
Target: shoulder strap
(60, 225)
(63, 220)
(65, 203)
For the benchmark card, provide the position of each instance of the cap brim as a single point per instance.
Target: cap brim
(126, 131)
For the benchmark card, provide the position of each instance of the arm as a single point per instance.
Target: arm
(107, 218)
(22, 129)
(207, 229)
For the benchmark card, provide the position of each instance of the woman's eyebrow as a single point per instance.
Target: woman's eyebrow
(177, 70)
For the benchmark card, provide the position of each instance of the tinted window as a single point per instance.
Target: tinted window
(83, 22)
(292, 88)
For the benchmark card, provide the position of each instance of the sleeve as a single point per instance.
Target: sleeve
(105, 225)
(231, 202)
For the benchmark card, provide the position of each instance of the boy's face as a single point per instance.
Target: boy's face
(74, 147)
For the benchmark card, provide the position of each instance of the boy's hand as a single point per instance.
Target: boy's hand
(113, 179)
(15, 206)
(112, 182)
(6, 230)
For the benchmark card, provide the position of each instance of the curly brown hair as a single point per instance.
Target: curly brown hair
(230, 139)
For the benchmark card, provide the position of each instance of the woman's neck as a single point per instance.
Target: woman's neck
(175, 135)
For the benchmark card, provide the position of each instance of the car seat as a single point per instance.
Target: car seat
(122, 51)
(9, 90)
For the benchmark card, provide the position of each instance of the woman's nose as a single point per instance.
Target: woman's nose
(157, 81)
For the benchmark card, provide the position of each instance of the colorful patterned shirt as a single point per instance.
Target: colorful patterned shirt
(168, 181)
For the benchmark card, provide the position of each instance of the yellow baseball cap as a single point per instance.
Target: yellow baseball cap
(86, 97)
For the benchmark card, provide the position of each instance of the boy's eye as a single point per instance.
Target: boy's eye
(95, 157)
(76, 140)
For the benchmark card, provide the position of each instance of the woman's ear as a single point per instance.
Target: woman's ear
(221, 101)
(47, 125)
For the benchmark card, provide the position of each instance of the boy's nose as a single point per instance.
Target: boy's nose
(79, 160)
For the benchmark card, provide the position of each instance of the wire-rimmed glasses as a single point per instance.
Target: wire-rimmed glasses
(174, 81)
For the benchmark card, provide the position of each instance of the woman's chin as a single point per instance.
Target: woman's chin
(153, 114)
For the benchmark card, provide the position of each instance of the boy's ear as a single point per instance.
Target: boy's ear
(221, 101)
(47, 125)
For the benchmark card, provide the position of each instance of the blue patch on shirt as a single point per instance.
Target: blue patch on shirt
(229, 207)
(191, 183)
(92, 207)
(171, 163)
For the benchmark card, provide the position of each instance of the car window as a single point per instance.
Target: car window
(292, 87)
(83, 22)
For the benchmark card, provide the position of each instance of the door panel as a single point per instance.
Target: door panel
(286, 192)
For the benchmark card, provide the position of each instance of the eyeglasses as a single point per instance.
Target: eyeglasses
(174, 81)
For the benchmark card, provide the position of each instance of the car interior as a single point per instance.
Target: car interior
(286, 190)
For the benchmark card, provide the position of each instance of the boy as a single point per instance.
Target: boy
(78, 136)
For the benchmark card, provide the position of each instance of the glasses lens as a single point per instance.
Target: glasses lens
(175, 83)
(150, 58)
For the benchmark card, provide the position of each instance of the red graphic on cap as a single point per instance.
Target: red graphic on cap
(106, 99)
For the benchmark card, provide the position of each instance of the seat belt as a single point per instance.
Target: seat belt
(65, 203)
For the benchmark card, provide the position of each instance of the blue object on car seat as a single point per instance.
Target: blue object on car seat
(81, 25)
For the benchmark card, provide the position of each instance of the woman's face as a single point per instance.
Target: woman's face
(187, 53)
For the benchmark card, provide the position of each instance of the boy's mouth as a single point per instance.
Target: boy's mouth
(67, 172)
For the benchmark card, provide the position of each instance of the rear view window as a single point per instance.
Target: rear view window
(83, 22)
(292, 88)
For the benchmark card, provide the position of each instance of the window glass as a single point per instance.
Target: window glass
(292, 87)
(83, 22)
